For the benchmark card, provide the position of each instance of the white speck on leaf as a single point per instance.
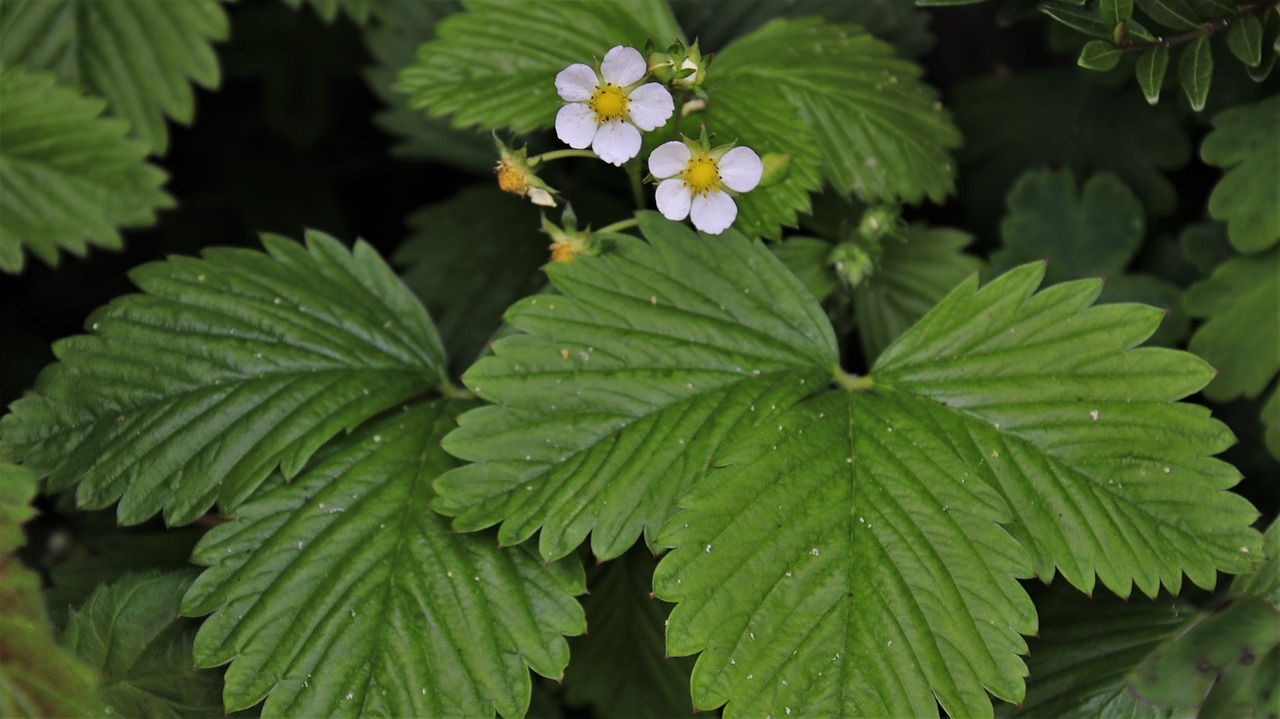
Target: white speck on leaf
(1094, 414)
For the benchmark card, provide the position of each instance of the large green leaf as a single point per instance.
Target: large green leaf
(1245, 142)
(613, 403)
(342, 594)
(140, 56)
(37, 678)
(68, 178)
(715, 23)
(1081, 662)
(621, 669)
(858, 554)
(131, 635)
(494, 66)
(228, 366)
(1241, 337)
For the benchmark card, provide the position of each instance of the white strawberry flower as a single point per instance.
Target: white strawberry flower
(697, 183)
(607, 108)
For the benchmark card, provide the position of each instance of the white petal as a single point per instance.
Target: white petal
(539, 196)
(616, 142)
(576, 125)
(740, 169)
(713, 212)
(576, 82)
(673, 199)
(651, 106)
(623, 66)
(669, 159)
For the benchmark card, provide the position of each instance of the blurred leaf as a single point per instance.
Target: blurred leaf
(1271, 419)
(1263, 582)
(621, 669)
(1246, 143)
(716, 23)
(68, 178)
(131, 635)
(1089, 20)
(140, 56)
(37, 678)
(1240, 336)
(1115, 12)
(1175, 14)
(228, 366)
(17, 488)
(1244, 38)
(468, 258)
(1087, 648)
(1195, 71)
(1206, 246)
(358, 10)
(494, 66)
(1099, 55)
(1150, 70)
(809, 259)
(341, 594)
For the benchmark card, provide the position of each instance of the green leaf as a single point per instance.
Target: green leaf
(715, 23)
(1150, 70)
(1175, 14)
(613, 403)
(131, 635)
(358, 10)
(17, 489)
(1244, 39)
(1240, 336)
(1271, 420)
(1264, 581)
(1087, 648)
(37, 678)
(227, 367)
(809, 259)
(1007, 434)
(1089, 20)
(621, 670)
(1094, 231)
(1244, 141)
(342, 594)
(1115, 12)
(140, 56)
(881, 132)
(1100, 55)
(911, 278)
(466, 284)
(68, 178)
(494, 66)
(1195, 72)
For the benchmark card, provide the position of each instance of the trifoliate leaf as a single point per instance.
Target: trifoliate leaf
(228, 366)
(1150, 69)
(392, 39)
(37, 678)
(881, 132)
(857, 555)
(131, 635)
(716, 23)
(1240, 337)
(912, 276)
(1087, 648)
(1092, 231)
(140, 56)
(1244, 141)
(69, 179)
(17, 488)
(612, 404)
(621, 669)
(1064, 118)
(342, 594)
(494, 66)
(1195, 71)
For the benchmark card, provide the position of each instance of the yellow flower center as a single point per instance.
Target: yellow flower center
(608, 102)
(511, 179)
(701, 175)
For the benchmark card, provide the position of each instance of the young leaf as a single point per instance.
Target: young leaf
(1150, 70)
(1240, 336)
(68, 178)
(1244, 39)
(342, 594)
(1087, 648)
(140, 56)
(1115, 12)
(857, 555)
(621, 669)
(228, 366)
(1195, 71)
(37, 678)
(131, 635)
(1244, 141)
(495, 65)
(1100, 55)
(613, 402)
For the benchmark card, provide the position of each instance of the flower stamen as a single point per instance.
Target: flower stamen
(608, 102)
(701, 175)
